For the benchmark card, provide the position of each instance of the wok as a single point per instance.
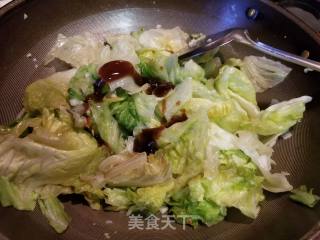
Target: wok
(299, 155)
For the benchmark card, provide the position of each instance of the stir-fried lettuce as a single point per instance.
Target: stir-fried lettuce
(125, 112)
(79, 50)
(129, 169)
(50, 92)
(304, 196)
(45, 163)
(53, 209)
(208, 145)
(279, 117)
(81, 84)
(172, 40)
(263, 72)
(107, 126)
(160, 65)
(146, 109)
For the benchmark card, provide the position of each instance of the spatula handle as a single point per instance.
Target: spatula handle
(286, 56)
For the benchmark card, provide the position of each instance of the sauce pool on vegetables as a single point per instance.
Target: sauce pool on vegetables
(115, 70)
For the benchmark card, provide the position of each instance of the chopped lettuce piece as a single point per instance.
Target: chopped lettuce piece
(234, 80)
(118, 198)
(304, 196)
(184, 145)
(279, 117)
(123, 47)
(210, 63)
(92, 194)
(237, 183)
(125, 112)
(178, 97)
(199, 90)
(19, 197)
(131, 169)
(251, 108)
(263, 72)
(146, 109)
(127, 83)
(149, 199)
(47, 154)
(159, 65)
(50, 92)
(81, 84)
(228, 114)
(172, 40)
(53, 209)
(260, 154)
(164, 66)
(47, 162)
(191, 209)
(196, 104)
(107, 126)
(193, 70)
(152, 198)
(79, 50)
(248, 143)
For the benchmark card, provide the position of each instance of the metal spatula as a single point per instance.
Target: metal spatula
(242, 36)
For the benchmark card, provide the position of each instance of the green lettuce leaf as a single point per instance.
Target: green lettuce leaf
(123, 47)
(160, 65)
(107, 126)
(263, 72)
(192, 70)
(53, 209)
(130, 169)
(196, 104)
(184, 143)
(79, 50)
(49, 161)
(146, 109)
(145, 199)
(81, 84)
(176, 99)
(304, 196)
(237, 183)
(118, 198)
(172, 40)
(165, 66)
(152, 198)
(125, 112)
(234, 80)
(184, 146)
(50, 92)
(191, 210)
(47, 154)
(228, 114)
(19, 197)
(279, 117)
(200, 90)
(212, 67)
(260, 154)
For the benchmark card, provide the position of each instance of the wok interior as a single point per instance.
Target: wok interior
(299, 155)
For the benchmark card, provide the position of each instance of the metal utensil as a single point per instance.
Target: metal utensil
(242, 36)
